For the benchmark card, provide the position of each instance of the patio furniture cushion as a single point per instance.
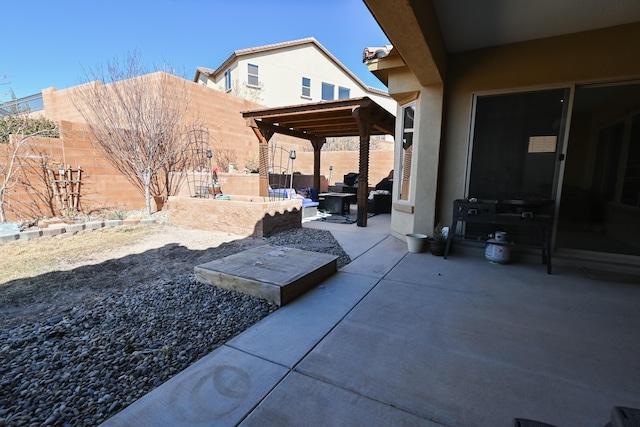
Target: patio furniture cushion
(288, 193)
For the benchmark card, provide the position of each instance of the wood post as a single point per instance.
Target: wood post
(317, 146)
(263, 157)
(364, 126)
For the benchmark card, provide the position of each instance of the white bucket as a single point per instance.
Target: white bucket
(416, 242)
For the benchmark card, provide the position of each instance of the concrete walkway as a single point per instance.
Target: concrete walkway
(404, 339)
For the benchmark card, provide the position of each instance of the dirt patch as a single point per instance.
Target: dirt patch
(44, 277)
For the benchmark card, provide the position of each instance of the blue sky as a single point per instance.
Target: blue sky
(49, 43)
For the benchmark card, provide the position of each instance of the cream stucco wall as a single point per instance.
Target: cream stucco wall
(417, 214)
(597, 56)
(280, 74)
(603, 55)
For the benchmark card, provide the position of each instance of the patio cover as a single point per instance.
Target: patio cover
(316, 122)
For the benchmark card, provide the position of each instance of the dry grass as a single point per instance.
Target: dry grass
(19, 260)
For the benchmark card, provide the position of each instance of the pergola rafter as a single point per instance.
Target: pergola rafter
(316, 122)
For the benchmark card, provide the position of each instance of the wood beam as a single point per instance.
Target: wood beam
(341, 105)
(283, 130)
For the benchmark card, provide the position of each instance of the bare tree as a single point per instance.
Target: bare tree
(223, 157)
(350, 143)
(14, 157)
(250, 93)
(3, 82)
(138, 121)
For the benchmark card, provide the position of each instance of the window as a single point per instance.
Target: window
(327, 91)
(252, 77)
(344, 92)
(306, 87)
(408, 114)
(227, 80)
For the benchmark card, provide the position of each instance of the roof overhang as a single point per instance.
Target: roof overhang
(425, 32)
(327, 119)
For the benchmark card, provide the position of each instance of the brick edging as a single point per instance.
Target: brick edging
(72, 229)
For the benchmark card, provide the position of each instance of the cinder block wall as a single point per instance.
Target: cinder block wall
(101, 185)
(344, 162)
(104, 187)
(217, 111)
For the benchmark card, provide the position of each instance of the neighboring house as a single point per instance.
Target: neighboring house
(518, 100)
(289, 73)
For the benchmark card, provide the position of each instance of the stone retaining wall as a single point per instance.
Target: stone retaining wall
(240, 215)
(63, 229)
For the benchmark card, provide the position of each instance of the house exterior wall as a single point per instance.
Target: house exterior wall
(280, 73)
(604, 55)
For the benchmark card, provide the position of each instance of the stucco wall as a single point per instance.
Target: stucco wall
(596, 56)
(280, 75)
(241, 215)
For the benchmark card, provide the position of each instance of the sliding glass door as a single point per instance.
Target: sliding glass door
(516, 154)
(515, 145)
(600, 204)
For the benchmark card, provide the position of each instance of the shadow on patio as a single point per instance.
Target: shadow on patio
(397, 338)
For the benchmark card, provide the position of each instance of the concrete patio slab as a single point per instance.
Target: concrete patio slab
(485, 356)
(356, 240)
(380, 259)
(219, 389)
(301, 400)
(287, 335)
(356, 244)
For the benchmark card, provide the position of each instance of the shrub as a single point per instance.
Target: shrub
(26, 125)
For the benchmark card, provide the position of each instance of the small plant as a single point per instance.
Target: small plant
(113, 214)
(252, 163)
(438, 242)
(438, 233)
(69, 213)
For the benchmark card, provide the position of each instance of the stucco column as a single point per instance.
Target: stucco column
(426, 160)
(418, 213)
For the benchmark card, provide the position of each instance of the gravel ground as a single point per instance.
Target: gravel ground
(81, 366)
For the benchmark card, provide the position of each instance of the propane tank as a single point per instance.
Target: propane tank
(498, 248)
